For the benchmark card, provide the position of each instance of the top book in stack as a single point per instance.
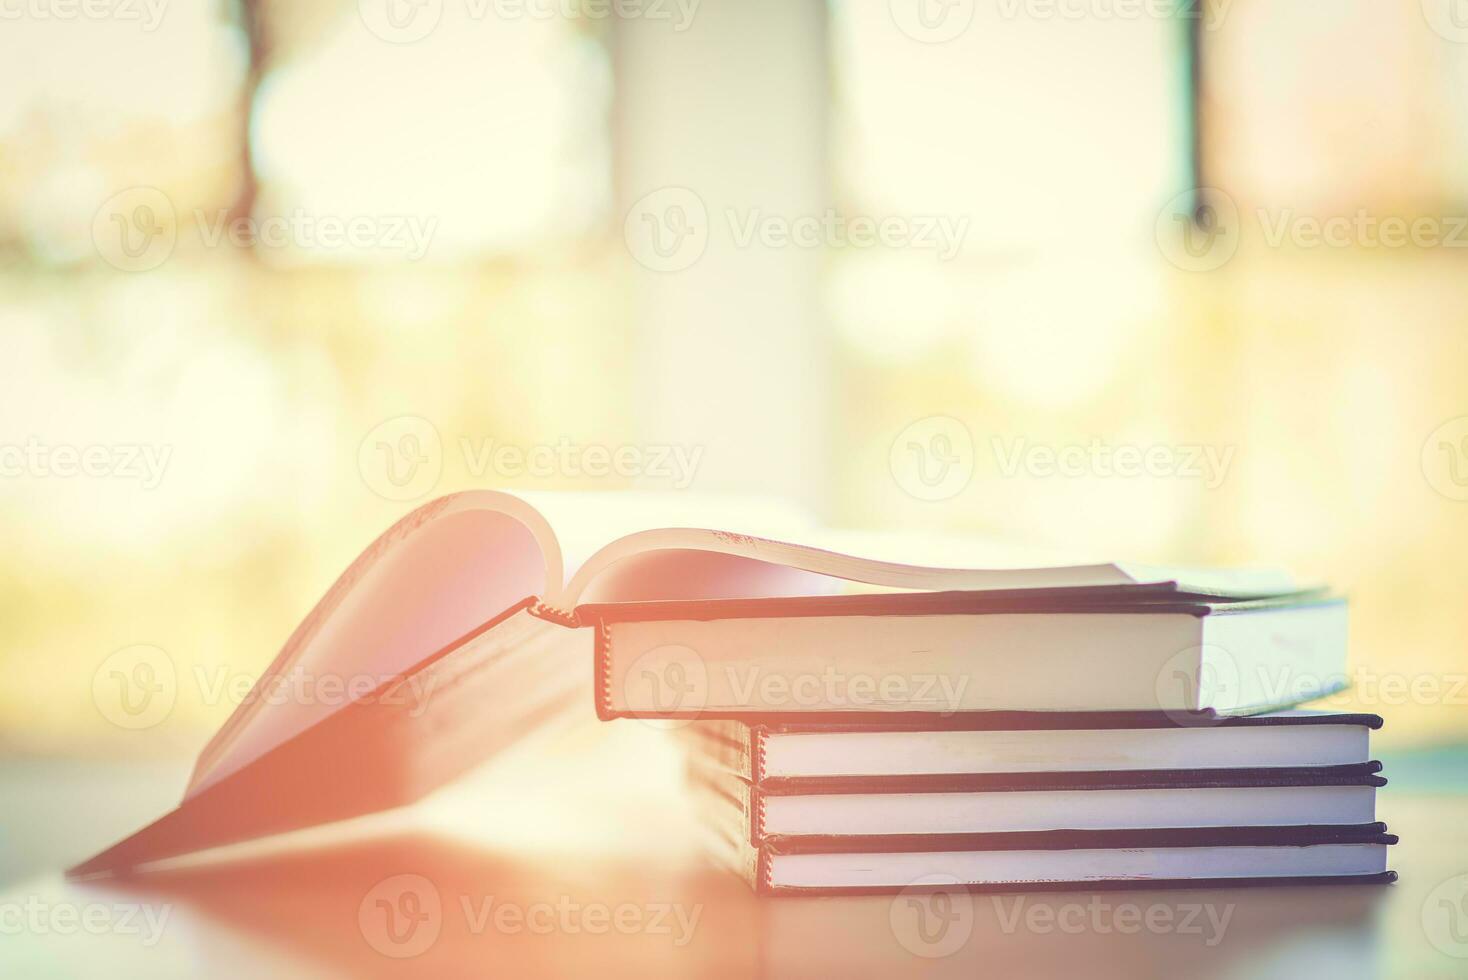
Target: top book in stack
(1149, 648)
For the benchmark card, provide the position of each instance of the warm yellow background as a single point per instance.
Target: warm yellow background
(1325, 371)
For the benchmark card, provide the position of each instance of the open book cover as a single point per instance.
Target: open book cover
(479, 593)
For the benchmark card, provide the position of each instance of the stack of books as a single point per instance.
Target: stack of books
(1003, 726)
(1010, 739)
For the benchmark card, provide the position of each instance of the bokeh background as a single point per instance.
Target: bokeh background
(268, 245)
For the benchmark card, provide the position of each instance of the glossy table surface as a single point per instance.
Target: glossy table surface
(577, 855)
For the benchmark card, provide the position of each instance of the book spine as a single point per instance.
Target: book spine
(754, 806)
(560, 617)
(602, 672)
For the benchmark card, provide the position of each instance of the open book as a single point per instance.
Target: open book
(471, 608)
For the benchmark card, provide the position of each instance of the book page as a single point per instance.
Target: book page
(443, 570)
(735, 551)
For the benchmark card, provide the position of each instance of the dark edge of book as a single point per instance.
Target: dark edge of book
(1352, 774)
(996, 721)
(743, 805)
(1132, 884)
(1161, 599)
(1302, 835)
(753, 863)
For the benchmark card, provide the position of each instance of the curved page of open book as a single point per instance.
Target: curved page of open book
(462, 560)
(444, 569)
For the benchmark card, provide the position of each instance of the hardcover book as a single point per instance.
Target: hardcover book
(1007, 742)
